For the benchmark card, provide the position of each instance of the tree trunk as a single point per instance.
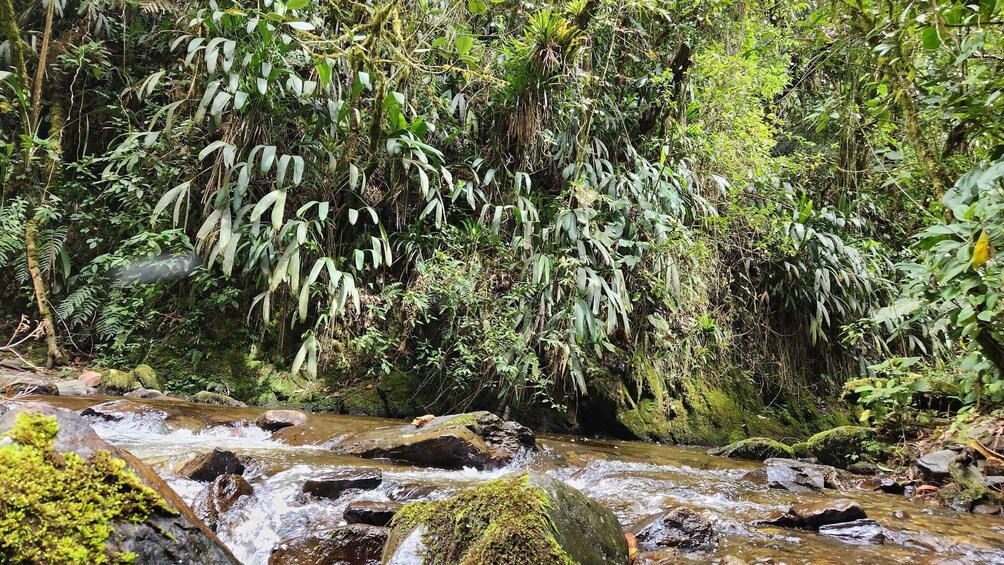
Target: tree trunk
(53, 355)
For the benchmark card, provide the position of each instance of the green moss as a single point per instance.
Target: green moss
(404, 396)
(754, 448)
(801, 450)
(207, 397)
(363, 401)
(148, 377)
(469, 419)
(646, 421)
(841, 446)
(118, 381)
(500, 521)
(61, 508)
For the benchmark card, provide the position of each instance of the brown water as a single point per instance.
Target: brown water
(633, 479)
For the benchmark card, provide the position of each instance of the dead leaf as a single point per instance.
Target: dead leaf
(422, 420)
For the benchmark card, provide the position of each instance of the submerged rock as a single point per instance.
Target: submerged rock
(813, 515)
(797, 476)
(526, 514)
(118, 410)
(73, 388)
(371, 512)
(355, 544)
(680, 528)
(477, 439)
(220, 496)
(840, 446)
(211, 465)
(333, 484)
(882, 484)
(158, 529)
(754, 448)
(863, 531)
(274, 420)
(144, 393)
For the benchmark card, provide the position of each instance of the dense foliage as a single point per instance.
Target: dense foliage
(509, 201)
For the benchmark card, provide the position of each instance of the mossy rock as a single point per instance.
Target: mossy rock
(404, 396)
(841, 446)
(801, 450)
(117, 381)
(206, 397)
(148, 377)
(526, 518)
(755, 449)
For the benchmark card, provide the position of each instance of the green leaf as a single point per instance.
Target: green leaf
(464, 44)
(930, 39)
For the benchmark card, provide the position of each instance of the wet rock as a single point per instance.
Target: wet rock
(208, 467)
(862, 532)
(863, 468)
(525, 514)
(478, 439)
(680, 528)
(73, 388)
(118, 382)
(176, 537)
(206, 397)
(90, 378)
(797, 476)
(671, 556)
(937, 464)
(987, 509)
(117, 410)
(274, 420)
(409, 492)
(371, 512)
(881, 484)
(144, 393)
(220, 496)
(355, 544)
(333, 484)
(839, 446)
(813, 515)
(754, 448)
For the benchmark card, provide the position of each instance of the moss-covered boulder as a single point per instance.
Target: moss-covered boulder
(363, 400)
(841, 446)
(801, 450)
(754, 448)
(118, 382)
(206, 397)
(148, 377)
(476, 439)
(528, 518)
(66, 496)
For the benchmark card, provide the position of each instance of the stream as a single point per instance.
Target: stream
(633, 479)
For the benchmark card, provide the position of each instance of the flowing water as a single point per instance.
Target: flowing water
(633, 479)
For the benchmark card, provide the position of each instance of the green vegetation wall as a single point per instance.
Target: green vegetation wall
(546, 208)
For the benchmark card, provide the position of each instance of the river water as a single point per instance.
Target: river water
(633, 479)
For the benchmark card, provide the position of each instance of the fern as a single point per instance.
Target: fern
(79, 306)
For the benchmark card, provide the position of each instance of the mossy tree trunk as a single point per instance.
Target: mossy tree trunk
(21, 181)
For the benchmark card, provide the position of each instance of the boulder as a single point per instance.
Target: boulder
(118, 382)
(274, 420)
(144, 393)
(840, 446)
(146, 517)
(355, 544)
(797, 476)
(73, 388)
(26, 383)
(410, 491)
(524, 514)
(333, 484)
(209, 466)
(90, 378)
(813, 515)
(861, 532)
(937, 464)
(206, 397)
(371, 512)
(754, 448)
(478, 439)
(118, 410)
(220, 496)
(680, 528)
(148, 377)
